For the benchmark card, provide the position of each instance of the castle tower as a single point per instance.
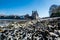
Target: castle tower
(35, 15)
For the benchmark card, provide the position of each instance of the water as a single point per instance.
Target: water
(4, 22)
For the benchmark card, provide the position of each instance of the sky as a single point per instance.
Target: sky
(22, 7)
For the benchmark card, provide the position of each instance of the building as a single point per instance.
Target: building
(35, 15)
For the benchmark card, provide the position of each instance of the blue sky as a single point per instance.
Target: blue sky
(22, 7)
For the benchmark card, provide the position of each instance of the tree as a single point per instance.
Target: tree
(54, 11)
(26, 16)
(55, 14)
